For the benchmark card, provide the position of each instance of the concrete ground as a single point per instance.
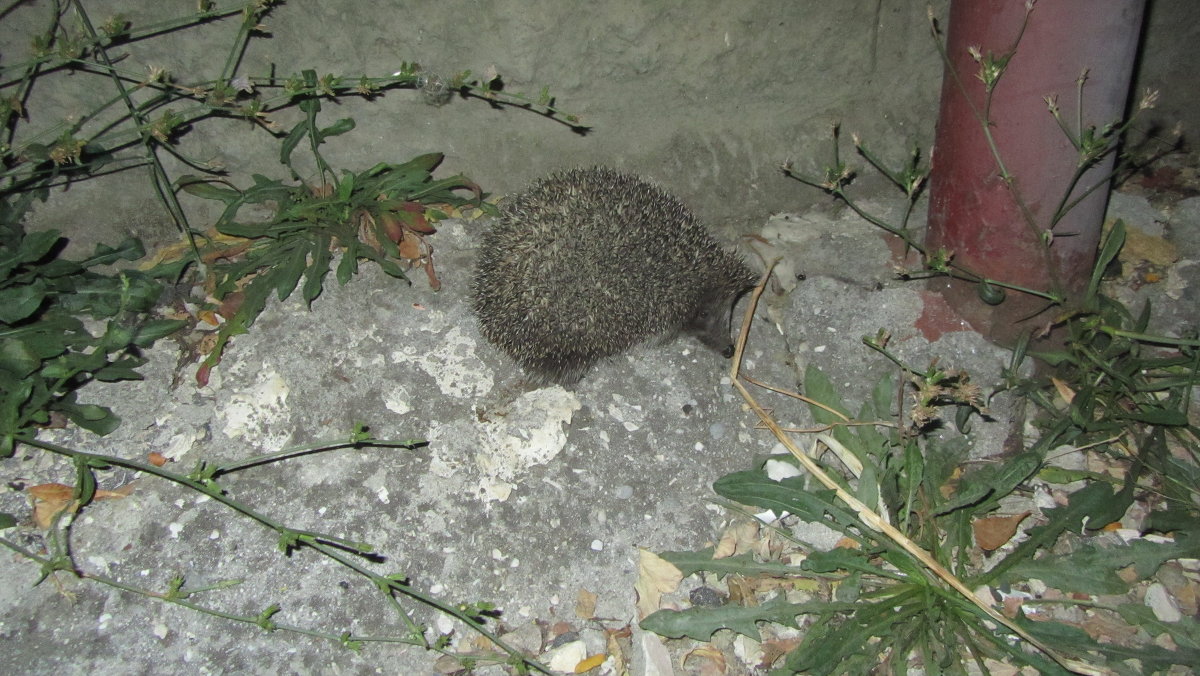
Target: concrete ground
(520, 497)
(523, 498)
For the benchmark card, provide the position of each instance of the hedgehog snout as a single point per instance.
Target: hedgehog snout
(711, 324)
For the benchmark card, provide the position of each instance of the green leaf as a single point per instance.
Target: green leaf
(1185, 632)
(7, 520)
(150, 331)
(314, 276)
(844, 558)
(690, 563)
(1073, 640)
(1155, 415)
(96, 419)
(17, 359)
(818, 387)
(994, 482)
(287, 273)
(1090, 570)
(116, 337)
(345, 187)
(1108, 251)
(1080, 505)
(389, 266)
(1147, 556)
(337, 128)
(85, 481)
(348, 266)
(289, 143)
(20, 302)
(1174, 518)
(247, 230)
(254, 299)
(129, 249)
(753, 487)
(701, 623)
(33, 247)
(204, 188)
(421, 163)
(122, 369)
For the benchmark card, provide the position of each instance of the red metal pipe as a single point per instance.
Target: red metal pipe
(973, 212)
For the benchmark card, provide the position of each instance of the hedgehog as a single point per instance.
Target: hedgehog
(588, 263)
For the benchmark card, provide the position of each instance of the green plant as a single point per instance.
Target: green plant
(366, 214)
(1092, 145)
(1114, 387)
(47, 352)
(369, 215)
(902, 590)
(204, 480)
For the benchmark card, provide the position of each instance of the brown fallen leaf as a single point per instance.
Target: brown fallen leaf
(743, 591)
(947, 489)
(738, 538)
(49, 500)
(1107, 628)
(617, 645)
(705, 661)
(559, 628)
(656, 576)
(585, 605)
(994, 531)
(1064, 390)
(775, 648)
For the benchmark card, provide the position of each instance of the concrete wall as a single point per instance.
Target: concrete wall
(707, 97)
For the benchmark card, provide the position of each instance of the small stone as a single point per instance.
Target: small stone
(1162, 604)
(706, 597)
(565, 657)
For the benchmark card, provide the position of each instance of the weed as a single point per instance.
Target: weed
(923, 539)
(920, 542)
(49, 349)
(47, 352)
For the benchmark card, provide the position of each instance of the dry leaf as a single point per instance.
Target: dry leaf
(1140, 246)
(157, 459)
(705, 661)
(1107, 628)
(616, 644)
(51, 492)
(737, 538)
(1012, 605)
(590, 663)
(585, 605)
(656, 576)
(410, 246)
(51, 499)
(994, 531)
(743, 591)
(559, 628)
(947, 489)
(447, 665)
(776, 648)
(1064, 390)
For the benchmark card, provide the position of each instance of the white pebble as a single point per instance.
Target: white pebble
(1162, 604)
